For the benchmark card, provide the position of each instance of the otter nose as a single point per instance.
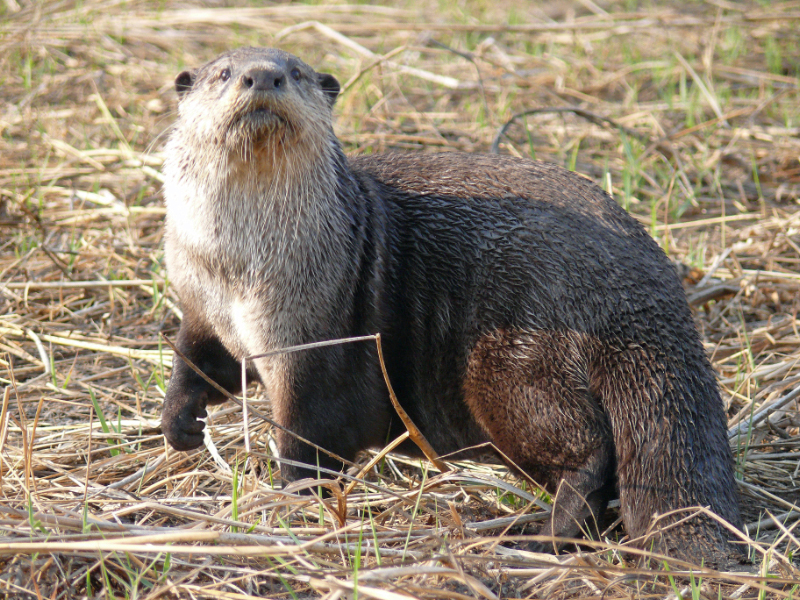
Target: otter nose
(264, 79)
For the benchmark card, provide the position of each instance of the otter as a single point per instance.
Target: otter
(517, 302)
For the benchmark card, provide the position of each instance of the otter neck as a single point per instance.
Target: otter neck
(265, 215)
(282, 239)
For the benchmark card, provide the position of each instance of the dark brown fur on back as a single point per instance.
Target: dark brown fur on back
(518, 304)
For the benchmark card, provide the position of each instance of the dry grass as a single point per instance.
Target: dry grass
(93, 503)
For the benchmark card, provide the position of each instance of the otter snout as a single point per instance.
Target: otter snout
(264, 79)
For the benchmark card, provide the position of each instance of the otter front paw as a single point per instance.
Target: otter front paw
(180, 421)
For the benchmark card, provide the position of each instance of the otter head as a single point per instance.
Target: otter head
(255, 105)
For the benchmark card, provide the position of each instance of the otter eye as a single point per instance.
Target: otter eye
(225, 74)
(295, 73)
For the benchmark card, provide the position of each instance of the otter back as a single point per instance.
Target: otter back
(518, 304)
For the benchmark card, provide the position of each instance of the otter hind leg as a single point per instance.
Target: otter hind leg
(530, 392)
(581, 498)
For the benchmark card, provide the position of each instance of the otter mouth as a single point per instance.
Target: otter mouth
(255, 120)
(260, 117)
(257, 123)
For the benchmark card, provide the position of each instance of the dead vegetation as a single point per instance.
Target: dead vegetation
(689, 114)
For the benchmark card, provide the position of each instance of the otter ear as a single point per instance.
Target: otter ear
(184, 82)
(329, 85)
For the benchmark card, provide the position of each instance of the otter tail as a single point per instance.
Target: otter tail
(672, 451)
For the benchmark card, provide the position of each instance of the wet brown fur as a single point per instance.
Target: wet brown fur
(518, 304)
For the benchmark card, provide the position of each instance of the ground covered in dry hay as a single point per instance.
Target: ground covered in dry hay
(688, 113)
